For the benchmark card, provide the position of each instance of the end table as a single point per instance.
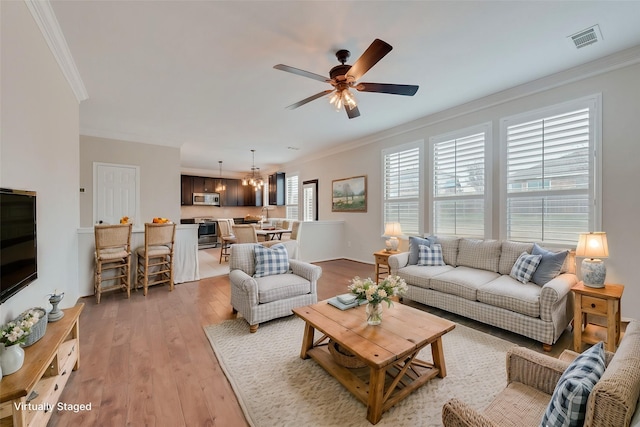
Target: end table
(603, 302)
(382, 262)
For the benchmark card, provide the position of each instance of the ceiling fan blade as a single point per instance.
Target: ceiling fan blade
(353, 113)
(302, 73)
(408, 90)
(309, 99)
(374, 53)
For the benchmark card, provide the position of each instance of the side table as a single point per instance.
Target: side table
(603, 302)
(382, 262)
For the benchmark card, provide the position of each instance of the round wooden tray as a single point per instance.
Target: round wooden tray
(344, 357)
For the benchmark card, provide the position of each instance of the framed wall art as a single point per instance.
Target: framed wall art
(349, 194)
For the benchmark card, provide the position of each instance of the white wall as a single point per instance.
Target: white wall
(39, 151)
(159, 175)
(621, 148)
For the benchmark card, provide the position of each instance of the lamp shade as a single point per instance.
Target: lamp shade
(392, 229)
(593, 245)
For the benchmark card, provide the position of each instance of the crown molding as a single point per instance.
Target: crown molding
(46, 20)
(615, 61)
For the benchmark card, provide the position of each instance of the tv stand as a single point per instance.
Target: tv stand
(47, 366)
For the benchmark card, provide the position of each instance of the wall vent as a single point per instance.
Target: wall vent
(586, 37)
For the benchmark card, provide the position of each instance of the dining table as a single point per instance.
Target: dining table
(272, 233)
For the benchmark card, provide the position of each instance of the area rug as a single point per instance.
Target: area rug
(277, 388)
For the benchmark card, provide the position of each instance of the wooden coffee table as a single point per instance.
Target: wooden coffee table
(389, 350)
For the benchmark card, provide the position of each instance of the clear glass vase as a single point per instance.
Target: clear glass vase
(374, 314)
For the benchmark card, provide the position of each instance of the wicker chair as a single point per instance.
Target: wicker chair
(532, 378)
(155, 258)
(266, 298)
(226, 237)
(113, 254)
(245, 233)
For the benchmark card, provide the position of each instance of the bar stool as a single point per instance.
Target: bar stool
(226, 237)
(245, 233)
(155, 258)
(113, 253)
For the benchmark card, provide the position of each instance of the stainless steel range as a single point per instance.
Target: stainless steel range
(207, 232)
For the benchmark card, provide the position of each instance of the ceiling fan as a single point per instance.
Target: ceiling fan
(344, 77)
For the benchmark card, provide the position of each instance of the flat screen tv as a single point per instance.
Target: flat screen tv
(18, 241)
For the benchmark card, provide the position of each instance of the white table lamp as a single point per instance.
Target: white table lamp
(593, 246)
(392, 230)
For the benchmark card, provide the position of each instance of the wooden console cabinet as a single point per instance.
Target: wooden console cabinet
(47, 366)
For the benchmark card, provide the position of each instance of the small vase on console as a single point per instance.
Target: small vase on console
(11, 359)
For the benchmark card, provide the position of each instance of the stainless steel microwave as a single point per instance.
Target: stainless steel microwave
(209, 199)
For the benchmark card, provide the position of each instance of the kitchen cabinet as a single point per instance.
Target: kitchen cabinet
(186, 192)
(203, 184)
(277, 186)
(230, 195)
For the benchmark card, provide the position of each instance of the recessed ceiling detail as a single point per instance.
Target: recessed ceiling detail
(586, 37)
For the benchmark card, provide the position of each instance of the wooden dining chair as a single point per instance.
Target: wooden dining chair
(245, 233)
(112, 259)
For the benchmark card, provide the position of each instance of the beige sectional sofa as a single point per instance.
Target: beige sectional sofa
(475, 282)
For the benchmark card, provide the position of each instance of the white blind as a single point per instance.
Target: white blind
(292, 197)
(549, 175)
(309, 211)
(401, 171)
(459, 185)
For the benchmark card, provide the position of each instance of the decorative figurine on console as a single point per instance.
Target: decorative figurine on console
(55, 314)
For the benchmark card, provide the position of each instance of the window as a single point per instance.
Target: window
(402, 189)
(459, 182)
(292, 197)
(550, 172)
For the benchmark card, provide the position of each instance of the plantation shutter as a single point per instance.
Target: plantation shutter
(459, 186)
(402, 189)
(292, 197)
(549, 178)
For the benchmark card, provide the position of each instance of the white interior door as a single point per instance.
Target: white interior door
(116, 193)
(310, 200)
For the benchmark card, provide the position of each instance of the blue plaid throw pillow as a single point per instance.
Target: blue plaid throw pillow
(430, 255)
(525, 266)
(273, 260)
(568, 405)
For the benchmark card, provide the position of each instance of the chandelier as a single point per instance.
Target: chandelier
(253, 178)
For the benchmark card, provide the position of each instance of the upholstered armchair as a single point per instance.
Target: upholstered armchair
(274, 294)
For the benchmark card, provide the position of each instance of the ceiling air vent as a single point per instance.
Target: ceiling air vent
(586, 37)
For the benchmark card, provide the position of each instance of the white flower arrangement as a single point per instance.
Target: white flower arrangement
(16, 331)
(367, 289)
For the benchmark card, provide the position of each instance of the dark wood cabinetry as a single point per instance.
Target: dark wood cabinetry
(277, 186)
(186, 192)
(232, 192)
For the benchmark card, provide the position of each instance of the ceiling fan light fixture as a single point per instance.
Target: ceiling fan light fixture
(343, 97)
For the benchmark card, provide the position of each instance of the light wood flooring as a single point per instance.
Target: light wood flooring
(145, 361)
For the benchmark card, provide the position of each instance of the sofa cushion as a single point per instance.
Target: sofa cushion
(482, 254)
(430, 256)
(462, 281)
(509, 253)
(414, 247)
(506, 292)
(525, 266)
(270, 261)
(420, 276)
(449, 249)
(281, 286)
(550, 266)
(568, 404)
